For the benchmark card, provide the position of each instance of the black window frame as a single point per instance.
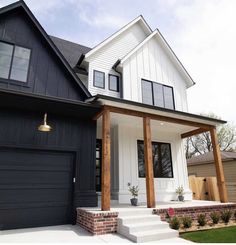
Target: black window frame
(94, 71)
(152, 91)
(118, 83)
(11, 80)
(171, 161)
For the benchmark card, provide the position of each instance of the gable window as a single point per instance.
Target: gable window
(113, 83)
(157, 94)
(98, 79)
(14, 62)
(162, 161)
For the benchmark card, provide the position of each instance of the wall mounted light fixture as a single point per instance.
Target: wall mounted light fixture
(45, 127)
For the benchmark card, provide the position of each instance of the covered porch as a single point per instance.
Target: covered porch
(150, 123)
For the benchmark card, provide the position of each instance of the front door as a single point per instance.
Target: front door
(98, 165)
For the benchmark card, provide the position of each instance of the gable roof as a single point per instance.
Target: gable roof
(113, 36)
(157, 33)
(208, 158)
(21, 4)
(70, 50)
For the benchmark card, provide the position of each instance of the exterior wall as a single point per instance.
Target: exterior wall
(46, 76)
(104, 59)
(128, 166)
(152, 63)
(208, 169)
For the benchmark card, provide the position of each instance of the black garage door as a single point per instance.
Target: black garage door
(35, 188)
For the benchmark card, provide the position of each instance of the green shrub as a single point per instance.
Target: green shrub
(201, 219)
(226, 215)
(175, 223)
(215, 217)
(187, 221)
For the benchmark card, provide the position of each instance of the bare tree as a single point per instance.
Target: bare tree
(200, 144)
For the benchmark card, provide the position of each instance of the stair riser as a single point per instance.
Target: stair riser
(156, 237)
(145, 228)
(138, 220)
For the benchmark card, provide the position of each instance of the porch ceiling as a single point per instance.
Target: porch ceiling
(137, 122)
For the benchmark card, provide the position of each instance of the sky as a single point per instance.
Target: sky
(201, 33)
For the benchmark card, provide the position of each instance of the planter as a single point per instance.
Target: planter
(181, 198)
(134, 201)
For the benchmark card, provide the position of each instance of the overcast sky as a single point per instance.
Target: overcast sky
(202, 34)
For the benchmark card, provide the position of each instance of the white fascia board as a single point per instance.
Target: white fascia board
(181, 68)
(109, 39)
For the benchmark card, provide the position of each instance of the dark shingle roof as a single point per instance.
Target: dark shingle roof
(71, 51)
(208, 157)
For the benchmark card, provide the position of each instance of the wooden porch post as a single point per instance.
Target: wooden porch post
(106, 157)
(219, 167)
(148, 163)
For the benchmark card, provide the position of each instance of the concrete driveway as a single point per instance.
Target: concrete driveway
(64, 233)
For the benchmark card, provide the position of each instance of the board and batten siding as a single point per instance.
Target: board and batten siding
(128, 165)
(104, 59)
(208, 170)
(151, 62)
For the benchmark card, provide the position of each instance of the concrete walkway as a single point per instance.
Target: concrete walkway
(65, 234)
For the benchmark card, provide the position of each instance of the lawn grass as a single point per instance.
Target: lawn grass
(221, 235)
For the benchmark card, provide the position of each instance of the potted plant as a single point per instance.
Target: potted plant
(180, 192)
(134, 192)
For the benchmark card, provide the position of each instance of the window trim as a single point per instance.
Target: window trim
(157, 142)
(163, 85)
(118, 83)
(94, 71)
(14, 81)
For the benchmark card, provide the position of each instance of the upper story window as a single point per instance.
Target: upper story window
(98, 79)
(162, 161)
(114, 83)
(14, 62)
(157, 94)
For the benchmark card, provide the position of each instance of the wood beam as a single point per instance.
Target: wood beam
(106, 158)
(219, 167)
(193, 132)
(99, 114)
(148, 163)
(157, 117)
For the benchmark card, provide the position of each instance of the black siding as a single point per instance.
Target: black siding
(47, 75)
(18, 129)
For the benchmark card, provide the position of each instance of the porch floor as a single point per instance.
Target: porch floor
(117, 207)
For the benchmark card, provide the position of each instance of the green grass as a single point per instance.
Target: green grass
(221, 235)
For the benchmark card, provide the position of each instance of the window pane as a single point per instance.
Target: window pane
(158, 94)
(166, 161)
(168, 97)
(113, 83)
(147, 92)
(20, 64)
(99, 79)
(5, 59)
(141, 166)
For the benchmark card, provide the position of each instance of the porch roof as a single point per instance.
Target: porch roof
(158, 113)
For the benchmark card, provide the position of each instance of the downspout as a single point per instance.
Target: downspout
(114, 67)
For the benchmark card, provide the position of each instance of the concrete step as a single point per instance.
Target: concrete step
(153, 235)
(145, 226)
(138, 219)
(133, 212)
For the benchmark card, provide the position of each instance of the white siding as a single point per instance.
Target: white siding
(151, 62)
(128, 166)
(104, 59)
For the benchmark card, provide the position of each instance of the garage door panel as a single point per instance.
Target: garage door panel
(35, 188)
(34, 177)
(34, 195)
(33, 217)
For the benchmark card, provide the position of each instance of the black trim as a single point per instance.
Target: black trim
(10, 80)
(103, 79)
(164, 143)
(21, 4)
(118, 83)
(163, 85)
(129, 102)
